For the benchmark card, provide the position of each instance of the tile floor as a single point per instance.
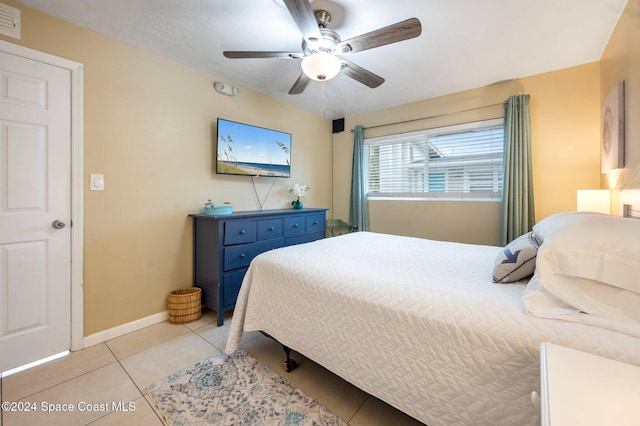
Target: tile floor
(97, 380)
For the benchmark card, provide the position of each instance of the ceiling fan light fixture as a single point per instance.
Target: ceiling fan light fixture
(321, 66)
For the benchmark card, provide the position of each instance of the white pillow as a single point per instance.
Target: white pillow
(594, 297)
(600, 248)
(539, 302)
(593, 264)
(550, 224)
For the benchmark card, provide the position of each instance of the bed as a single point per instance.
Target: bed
(422, 325)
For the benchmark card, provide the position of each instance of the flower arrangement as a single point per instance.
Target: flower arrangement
(298, 191)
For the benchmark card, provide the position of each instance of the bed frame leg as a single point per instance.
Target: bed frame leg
(289, 364)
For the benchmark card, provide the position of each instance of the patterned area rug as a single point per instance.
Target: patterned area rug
(235, 390)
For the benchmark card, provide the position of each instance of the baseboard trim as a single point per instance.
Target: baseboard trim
(123, 329)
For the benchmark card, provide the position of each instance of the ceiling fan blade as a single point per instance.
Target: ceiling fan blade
(304, 18)
(362, 75)
(252, 54)
(301, 83)
(403, 30)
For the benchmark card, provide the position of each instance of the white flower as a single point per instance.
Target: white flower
(299, 190)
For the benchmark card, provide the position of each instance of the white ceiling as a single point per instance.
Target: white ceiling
(464, 43)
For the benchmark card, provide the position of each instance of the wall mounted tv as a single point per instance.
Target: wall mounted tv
(252, 151)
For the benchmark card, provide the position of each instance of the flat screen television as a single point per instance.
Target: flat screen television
(252, 151)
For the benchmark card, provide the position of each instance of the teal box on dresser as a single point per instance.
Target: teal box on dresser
(211, 209)
(224, 246)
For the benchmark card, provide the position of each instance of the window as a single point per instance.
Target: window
(454, 162)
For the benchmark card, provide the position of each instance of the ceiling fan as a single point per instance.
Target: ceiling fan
(321, 47)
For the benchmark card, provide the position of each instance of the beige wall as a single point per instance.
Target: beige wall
(149, 128)
(565, 115)
(621, 61)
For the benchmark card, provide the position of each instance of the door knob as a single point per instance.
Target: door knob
(59, 224)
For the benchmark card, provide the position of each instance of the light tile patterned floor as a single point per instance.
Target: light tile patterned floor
(96, 381)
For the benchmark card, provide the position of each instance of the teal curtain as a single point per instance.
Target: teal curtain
(358, 209)
(517, 199)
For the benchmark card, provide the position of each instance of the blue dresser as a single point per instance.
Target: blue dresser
(223, 247)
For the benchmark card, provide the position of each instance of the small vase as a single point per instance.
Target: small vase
(296, 204)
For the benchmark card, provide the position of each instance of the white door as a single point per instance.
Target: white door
(35, 192)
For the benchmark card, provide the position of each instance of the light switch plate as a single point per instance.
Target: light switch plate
(97, 183)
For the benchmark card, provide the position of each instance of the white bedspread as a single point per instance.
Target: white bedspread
(416, 323)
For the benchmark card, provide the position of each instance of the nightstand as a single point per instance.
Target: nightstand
(584, 389)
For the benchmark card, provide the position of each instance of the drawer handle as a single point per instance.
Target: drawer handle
(316, 222)
(296, 225)
(243, 232)
(242, 256)
(272, 229)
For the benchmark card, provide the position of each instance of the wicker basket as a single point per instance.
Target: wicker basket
(184, 305)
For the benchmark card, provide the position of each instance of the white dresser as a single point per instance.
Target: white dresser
(583, 389)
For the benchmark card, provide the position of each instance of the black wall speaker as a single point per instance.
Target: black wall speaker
(338, 125)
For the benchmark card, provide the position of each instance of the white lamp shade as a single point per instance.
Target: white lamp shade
(594, 200)
(321, 66)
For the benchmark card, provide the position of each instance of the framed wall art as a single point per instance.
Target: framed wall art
(612, 144)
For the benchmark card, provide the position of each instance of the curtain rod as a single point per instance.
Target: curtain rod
(433, 116)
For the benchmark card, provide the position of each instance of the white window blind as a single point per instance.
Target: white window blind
(455, 162)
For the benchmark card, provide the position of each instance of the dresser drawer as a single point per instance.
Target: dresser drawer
(240, 256)
(295, 225)
(268, 229)
(315, 223)
(305, 238)
(240, 232)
